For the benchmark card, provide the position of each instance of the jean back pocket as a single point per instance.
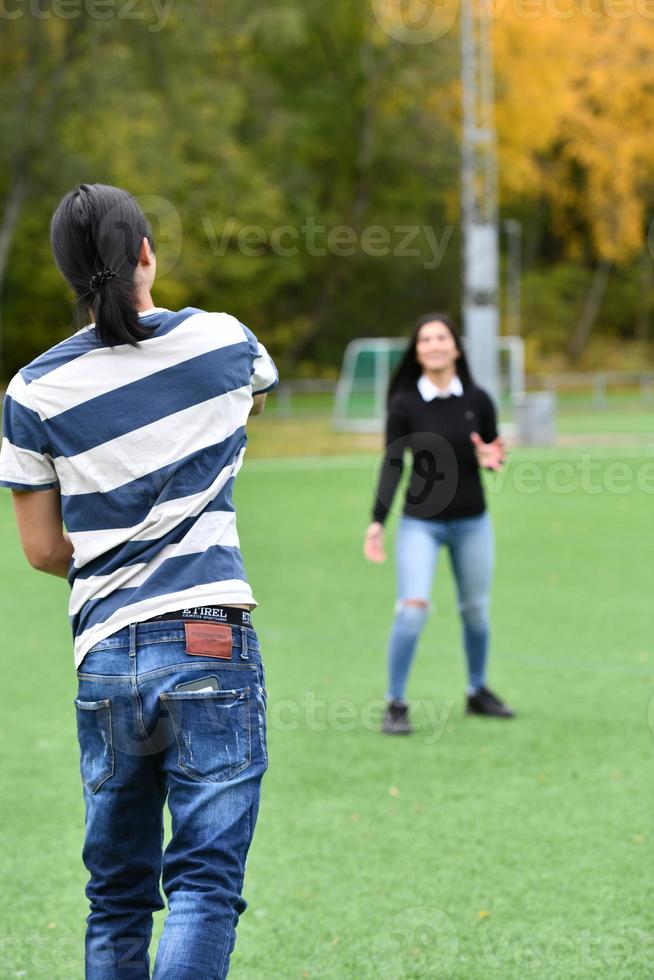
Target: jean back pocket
(213, 732)
(96, 742)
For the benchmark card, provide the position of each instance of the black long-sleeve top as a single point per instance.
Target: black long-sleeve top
(445, 482)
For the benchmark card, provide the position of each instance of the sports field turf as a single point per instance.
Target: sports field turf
(474, 848)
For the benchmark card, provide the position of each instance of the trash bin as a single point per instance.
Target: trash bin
(535, 415)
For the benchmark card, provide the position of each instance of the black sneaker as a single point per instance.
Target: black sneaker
(396, 719)
(484, 702)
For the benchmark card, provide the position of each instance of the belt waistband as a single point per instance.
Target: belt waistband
(208, 614)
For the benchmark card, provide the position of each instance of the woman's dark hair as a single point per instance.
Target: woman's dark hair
(96, 234)
(408, 370)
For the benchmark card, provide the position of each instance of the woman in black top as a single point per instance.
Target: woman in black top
(449, 424)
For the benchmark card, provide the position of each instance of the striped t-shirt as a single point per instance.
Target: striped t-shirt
(144, 444)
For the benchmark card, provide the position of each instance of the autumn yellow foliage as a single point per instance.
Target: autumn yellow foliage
(575, 115)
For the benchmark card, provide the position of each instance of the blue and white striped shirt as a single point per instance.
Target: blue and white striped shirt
(144, 444)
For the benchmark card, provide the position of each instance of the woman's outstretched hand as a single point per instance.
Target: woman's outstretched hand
(490, 455)
(373, 545)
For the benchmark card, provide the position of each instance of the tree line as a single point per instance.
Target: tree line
(299, 163)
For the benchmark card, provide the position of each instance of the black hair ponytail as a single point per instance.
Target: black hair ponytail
(96, 234)
(408, 370)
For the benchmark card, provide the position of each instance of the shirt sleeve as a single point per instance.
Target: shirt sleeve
(488, 419)
(397, 441)
(264, 376)
(25, 461)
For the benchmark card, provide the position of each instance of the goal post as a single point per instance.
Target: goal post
(369, 362)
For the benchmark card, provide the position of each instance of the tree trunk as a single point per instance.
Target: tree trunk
(335, 271)
(581, 333)
(646, 283)
(25, 145)
(10, 216)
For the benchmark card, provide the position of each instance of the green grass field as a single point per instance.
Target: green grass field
(473, 849)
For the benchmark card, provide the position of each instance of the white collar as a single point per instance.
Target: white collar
(153, 309)
(429, 390)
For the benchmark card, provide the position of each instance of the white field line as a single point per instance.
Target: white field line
(364, 460)
(354, 461)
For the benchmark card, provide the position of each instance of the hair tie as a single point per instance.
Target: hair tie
(99, 278)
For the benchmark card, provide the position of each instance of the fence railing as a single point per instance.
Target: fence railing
(596, 391)
(285, 395)
(598, 385)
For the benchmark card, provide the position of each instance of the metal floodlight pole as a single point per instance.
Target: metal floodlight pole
(479, 197)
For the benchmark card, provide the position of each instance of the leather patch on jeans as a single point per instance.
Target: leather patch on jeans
(208, 640)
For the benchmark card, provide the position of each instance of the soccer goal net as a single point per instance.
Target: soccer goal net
(368, 363)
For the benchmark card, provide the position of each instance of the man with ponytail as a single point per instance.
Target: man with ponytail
(131, 433)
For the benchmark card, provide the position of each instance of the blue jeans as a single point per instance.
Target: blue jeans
(471, 546)
(142, 739)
